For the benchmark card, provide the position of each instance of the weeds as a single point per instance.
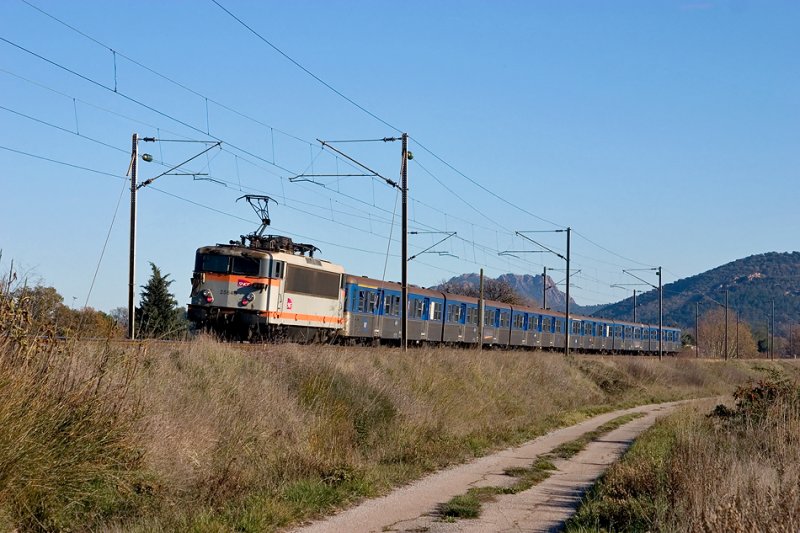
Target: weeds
(206, 436)
(736, 469)
(469, 505)
(69, 455)
(569, 449)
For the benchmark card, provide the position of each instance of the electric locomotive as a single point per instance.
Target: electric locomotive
(266, 286)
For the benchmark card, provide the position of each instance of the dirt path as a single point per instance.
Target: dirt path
(542, 508)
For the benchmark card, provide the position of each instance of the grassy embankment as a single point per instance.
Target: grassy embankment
(703, 469)
(209, 437)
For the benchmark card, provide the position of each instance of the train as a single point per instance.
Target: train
(267, 287)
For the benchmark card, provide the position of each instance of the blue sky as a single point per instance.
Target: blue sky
(665, 133)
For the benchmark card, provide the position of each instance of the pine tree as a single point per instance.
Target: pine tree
(158, 314)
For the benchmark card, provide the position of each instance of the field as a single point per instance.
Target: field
(708, 468)
(206, 436)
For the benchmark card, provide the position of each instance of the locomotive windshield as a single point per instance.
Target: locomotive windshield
(227, 264)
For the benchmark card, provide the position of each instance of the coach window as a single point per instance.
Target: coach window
(559, 327)
(472, 315)
(618, 331)
(488, 317)
(504, 319)
(519, 321)
(627, 332)
(576, 327)
(546, 325)
(391, 305)
(373, 302)
(587, 329)
(417, 307)
(436, 311)
(362, 302)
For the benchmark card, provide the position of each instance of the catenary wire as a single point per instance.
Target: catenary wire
(254, 155)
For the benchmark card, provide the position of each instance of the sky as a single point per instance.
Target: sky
(663, 133)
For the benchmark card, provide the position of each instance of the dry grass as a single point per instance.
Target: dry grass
(212, 437)
(69, 451)
(469, 505)
(734, 470)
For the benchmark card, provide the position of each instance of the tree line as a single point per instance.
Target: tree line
(158, 315)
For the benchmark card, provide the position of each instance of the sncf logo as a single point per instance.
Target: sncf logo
(243, 283)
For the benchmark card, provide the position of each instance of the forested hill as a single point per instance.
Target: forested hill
(752, 283)
(524, 285)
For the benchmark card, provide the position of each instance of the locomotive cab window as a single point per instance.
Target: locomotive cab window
(277, 269)
(212, 263)
(246, 266)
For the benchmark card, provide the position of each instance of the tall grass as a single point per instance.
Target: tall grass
(68, 448)
(728, 470)
(214, 437)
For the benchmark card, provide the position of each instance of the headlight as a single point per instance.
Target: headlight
(208, 296)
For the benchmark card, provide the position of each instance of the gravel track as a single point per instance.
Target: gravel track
(544, 507)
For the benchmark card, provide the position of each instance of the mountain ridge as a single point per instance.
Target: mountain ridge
(752, 283)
